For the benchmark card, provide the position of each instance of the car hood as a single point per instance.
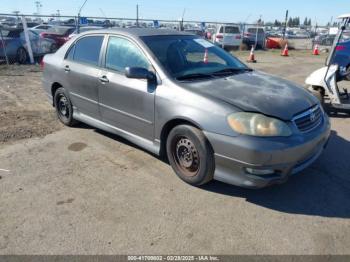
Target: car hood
(257, 92)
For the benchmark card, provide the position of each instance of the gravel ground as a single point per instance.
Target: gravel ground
(82, 191)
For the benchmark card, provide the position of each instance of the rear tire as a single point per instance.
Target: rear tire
(347, 78)
(64, 108)
(21, 56)
(190, 155)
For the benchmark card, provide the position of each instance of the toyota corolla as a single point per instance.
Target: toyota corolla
(178, 95)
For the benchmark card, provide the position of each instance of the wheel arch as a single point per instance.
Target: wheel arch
(54, 87)
(170, 125)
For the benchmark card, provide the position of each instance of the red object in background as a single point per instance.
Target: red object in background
(208, 35)
(42, 64)
(60, 40)
(219, 36)
(340, 48)
(206, 59)
(316, 51)
(273, 43)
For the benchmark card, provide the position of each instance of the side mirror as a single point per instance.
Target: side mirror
(139, 73)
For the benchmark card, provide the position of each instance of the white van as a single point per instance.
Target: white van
(228, 36)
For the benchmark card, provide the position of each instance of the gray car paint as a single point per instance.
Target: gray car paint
(140, 112)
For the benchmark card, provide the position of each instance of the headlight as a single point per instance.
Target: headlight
(257, 125)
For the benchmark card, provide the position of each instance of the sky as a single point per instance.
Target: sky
(199, 10)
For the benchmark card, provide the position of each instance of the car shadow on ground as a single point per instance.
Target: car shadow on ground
(321, 190)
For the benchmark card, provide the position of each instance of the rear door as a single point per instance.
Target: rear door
(126, 103)
(82, 70)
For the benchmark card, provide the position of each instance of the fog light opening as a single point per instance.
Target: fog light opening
(260, 172)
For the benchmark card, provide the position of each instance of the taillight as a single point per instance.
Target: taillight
(238, 37)
(42, 64)
(340, 48)
(219, 36)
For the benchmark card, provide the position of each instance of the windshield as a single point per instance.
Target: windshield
(188, 55)
(253, 30)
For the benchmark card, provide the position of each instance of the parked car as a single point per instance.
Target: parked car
(17, 49)
(29, 25)
(228, 36)
(60, 34)
(254, 36)
(213, 118)
(41, 28)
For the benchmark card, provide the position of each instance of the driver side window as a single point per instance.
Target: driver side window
(122, 53)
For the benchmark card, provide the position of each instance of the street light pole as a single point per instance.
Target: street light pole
(137, 15)
(78, 22)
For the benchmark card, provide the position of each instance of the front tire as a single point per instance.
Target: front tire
(190, 155)
(64, 108)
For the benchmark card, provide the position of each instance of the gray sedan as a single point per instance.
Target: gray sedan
(177, 95)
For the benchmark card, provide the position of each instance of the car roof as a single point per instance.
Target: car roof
(138, 32)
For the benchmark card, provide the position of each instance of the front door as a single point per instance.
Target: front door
(126, 103)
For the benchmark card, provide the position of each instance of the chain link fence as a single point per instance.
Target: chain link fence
(26, 39)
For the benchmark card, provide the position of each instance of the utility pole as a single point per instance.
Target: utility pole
(285, 25)
(58, 14)
(38, 6)
(182, 20)
(137, 15)
(78, 22)
(257, 31)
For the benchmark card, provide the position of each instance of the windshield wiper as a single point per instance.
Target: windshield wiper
(194, 76)
(231, 70)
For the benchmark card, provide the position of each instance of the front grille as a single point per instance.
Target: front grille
(309, 120)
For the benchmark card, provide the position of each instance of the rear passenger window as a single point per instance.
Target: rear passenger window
(87, 50)
(122, 53)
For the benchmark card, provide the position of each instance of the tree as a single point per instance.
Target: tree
(305, 21)
(309, 23)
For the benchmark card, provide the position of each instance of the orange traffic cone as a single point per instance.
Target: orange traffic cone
(206, 59)
(285, 51)
(316, 51)
(251, 58)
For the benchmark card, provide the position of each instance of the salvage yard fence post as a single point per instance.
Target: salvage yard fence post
(3, 44)
(27, 39)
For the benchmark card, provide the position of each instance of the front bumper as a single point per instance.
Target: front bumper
(286, 156)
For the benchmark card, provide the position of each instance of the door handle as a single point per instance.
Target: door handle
(104, 79)
(66, 68)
